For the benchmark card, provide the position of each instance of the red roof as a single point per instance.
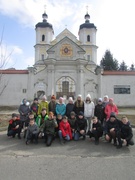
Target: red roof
(9, 71)
(119, 73)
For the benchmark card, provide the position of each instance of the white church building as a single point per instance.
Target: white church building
(66, 66)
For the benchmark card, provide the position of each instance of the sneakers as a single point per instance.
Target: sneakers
(119, 146)
(27, 142)
(84, 137)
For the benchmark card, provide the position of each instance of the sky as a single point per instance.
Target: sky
(114, 20)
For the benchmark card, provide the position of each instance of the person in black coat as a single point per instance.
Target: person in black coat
(97, 130)
(69, 107)
(78, 105)
(14, 126)
(81, 126)
(112, 127)
(99, 111)
(125, 135)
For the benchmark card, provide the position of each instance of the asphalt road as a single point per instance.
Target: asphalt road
(72, 161)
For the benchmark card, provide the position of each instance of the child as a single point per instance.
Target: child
(125, 135)
(81, 127)
(72, 121)
(31, 116)
(14, 126)
(41, 117)
(32, 132)
(34, 107)
(97, 130)
(64, 130)
(49, 129)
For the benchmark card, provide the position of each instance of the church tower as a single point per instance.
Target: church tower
(44, 35)
(87, 37)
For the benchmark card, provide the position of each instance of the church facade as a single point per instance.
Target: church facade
(66, 66)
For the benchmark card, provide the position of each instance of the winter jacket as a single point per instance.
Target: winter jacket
(98, 127)
(65, 128)
(81, 124)
(99, 112)
(52, 107)
(34, 109)
(78, 106)
(40, 119)
(126, 131)
(49, 126)
(43, 104)
(34, 129)
(13, 124)
(60, 109)
(116, 124)
(72, 122)
(89, 109)
(109, 109)
(69, 108)
(23, 110)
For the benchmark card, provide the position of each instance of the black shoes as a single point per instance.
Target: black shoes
(96, 142)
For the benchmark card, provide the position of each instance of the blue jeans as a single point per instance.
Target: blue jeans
(48, 139)
(61, 137)
(77, 135)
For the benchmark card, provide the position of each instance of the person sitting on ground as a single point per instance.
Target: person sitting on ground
(34, 107)
(69, 107)
(125, 135)
(81, 127)
(49, 129)
(30, 116)
(72, 121)
(112, 127)
(65, 133)
(110, 107)
(41, 117)
(97, 130)
(32, 132)
(14, 126)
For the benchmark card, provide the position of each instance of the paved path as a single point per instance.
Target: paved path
(73, 161)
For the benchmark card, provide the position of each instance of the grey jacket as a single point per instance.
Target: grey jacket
(34, 129)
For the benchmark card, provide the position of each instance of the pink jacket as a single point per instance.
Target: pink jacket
(109, 109)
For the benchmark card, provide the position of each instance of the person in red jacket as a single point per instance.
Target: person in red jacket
(110, 108)
(14, 126)
(64, 130)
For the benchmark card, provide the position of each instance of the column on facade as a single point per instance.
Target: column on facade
(51, 82)
(30, 85)
(80, 81)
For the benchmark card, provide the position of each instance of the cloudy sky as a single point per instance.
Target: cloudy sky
(114, 20)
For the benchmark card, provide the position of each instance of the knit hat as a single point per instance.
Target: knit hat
(112, 115)
(111, 99)
(72, 113)
(106, 96)
(44, 97)
(89, 96)
(70, 99)
(61, 98)
(35, 99)
(53, 97)
(14, 115)
(99, 99)
(79, 95)
(80, 113)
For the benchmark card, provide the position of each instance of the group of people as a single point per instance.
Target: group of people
(73, 120)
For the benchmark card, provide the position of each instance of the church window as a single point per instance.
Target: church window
(43, 37)
(65, 87)
(42, 57)
(24, 90)
(121, 89)
(88, 38)
(88, 57)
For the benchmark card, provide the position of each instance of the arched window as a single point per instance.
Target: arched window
(88, 38)
(43, 37)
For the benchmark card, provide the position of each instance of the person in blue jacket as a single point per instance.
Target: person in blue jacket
(61, 107)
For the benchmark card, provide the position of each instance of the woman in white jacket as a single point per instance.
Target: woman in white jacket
(89, 109)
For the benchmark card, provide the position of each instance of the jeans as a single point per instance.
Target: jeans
(77, 135)
(48, 139)
(14, 132)
(32, 137)
(61, 137)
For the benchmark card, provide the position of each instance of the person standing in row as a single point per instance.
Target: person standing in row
(99, 111)
(43, 104)
(69, 107)
(89, 109)
(52, 105)
(79, 105)
(60, 107)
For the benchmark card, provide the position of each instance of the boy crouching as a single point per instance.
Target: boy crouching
(14, 126)
(32, 132)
